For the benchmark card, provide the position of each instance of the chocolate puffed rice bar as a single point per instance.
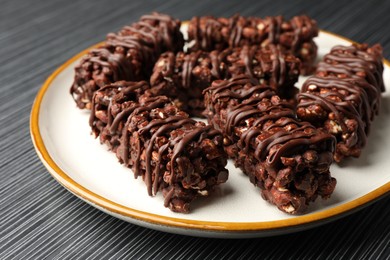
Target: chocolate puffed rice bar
(287, 159)
(174, 154)
(344, 96)
(127, 55)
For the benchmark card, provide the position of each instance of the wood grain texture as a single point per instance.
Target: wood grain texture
(40, 219)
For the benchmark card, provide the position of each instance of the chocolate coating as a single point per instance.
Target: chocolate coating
(174, 154)
(344, 96)
(185, 76)
(127, 55)
(288, 159)
(296, 35)
(111, 105)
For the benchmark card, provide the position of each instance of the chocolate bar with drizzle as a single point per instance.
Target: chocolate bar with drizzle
(344, 96)
(287, 159)
(174, 154)
(127, 55)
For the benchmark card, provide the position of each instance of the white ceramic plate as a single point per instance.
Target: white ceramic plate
(61, 136)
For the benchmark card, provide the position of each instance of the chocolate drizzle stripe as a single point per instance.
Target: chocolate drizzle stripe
(296, 142)
(155, 102)
(121, 116)
(168, 197)
(237, 115)
(272, 116)
(180, 146)
(246, 55)
(167, 125)
(158, 122)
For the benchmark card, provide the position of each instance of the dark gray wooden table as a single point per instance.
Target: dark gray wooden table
(39, 219)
